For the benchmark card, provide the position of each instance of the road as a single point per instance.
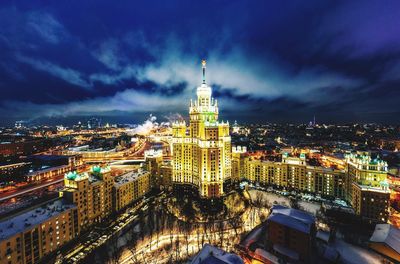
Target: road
(30, 189)
(98, 236)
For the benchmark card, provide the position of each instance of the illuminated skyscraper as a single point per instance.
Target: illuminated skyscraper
(202, 151)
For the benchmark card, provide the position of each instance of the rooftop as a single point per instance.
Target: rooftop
(33, 173)
(74, 176)
(128, 177)
(364, 158)
(27, 219)
(372, 188)
(213, 255)
(292, 218)
(387, 234)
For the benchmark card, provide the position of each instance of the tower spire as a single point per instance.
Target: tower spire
(203, 62)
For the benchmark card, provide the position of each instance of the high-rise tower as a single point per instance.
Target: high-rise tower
(202, 151)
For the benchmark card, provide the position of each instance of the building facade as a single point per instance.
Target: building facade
(371, 203)
(364, 170)
(129, 187)
(290, 233)
(91, 192)
(238, 155)
(202, 151)
(367, 187)
(153, 161)
(294, 173)
(28, 236)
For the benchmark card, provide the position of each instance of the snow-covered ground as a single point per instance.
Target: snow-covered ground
(271, 198)
(311, 207)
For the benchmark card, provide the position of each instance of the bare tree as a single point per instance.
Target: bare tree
(294, 203)
(113, 249)
(220, 226)
(236, 223)
(141, 224)
(132, 244)
(259, 200)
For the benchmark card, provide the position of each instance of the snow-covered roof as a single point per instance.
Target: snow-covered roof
(292, 218)
(128, 177)
(388, 234)
(27, 219)
(323, 235)
(252, 237)
(213, 255)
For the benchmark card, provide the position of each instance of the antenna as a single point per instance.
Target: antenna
(203, 62)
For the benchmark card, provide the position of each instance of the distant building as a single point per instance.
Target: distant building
(94, 123)
(98, 155)
(235, 128)
(28, 236)
(202, 151)
(64, 164)
(24, 147)
(213, 255)
(290, 233)
(14, 172)
(386, 241)
(20, 124)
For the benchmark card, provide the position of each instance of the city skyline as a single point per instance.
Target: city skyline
(267, 61)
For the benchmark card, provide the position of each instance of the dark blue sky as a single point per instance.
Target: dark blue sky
(267, 60)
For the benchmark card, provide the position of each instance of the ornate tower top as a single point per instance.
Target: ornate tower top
(205, 105)
(204, 91)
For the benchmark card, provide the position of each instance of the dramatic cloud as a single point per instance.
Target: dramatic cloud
(108, 54)
(266, 61)
(45, 26)
(69, 75)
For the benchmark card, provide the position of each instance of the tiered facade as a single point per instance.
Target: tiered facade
(202, 151)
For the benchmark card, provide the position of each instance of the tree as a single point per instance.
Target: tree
(132, 244)
(294, 203)
(220, 225)
(141, 224)
(113, 249)
(259, 200)
(150, 221)
(236, 223)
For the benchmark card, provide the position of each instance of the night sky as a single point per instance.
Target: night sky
(276, 61)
